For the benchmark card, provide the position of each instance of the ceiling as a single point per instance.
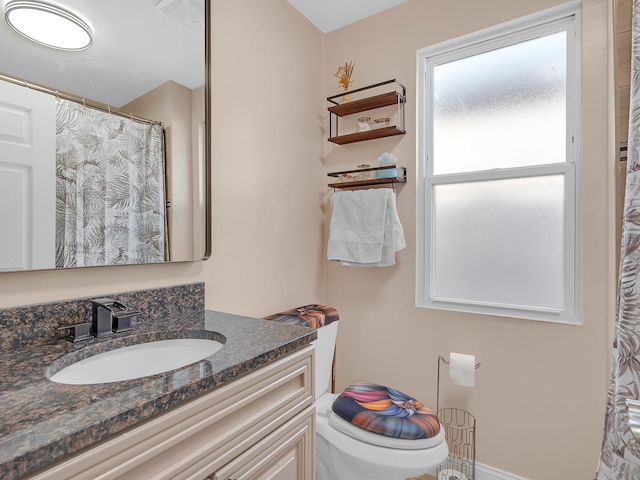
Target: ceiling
(135, 49)
(330, 15)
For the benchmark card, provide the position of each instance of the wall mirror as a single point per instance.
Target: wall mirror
(104, 150)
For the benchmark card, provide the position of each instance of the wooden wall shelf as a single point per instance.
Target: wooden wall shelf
(366, 135)
(357, 106)
(364, 183)
(401, 178)
(370, 103)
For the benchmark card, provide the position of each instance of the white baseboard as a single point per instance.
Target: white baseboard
(485, 472)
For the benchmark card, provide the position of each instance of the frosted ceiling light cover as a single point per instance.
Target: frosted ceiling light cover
(48, 25)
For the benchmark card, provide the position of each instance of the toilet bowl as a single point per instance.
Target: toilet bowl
(343, 450)
(341, 457)
(343, 454)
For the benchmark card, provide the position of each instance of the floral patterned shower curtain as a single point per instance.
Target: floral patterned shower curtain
(110, 189)
(620, 457)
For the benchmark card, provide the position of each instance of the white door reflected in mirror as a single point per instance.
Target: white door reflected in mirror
(27, 174)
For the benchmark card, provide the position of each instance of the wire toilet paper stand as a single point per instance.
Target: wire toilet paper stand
(460, 430)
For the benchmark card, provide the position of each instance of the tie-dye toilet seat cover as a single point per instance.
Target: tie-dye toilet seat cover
(312, 316)
(386, 411)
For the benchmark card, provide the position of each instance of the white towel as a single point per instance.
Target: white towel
(365, 229)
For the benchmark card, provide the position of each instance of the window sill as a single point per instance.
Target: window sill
(498, 310)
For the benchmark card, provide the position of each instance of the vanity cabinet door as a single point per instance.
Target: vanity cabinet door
(286, 454)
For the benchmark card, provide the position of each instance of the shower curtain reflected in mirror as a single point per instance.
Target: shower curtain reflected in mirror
(110, 189)
(620, 456)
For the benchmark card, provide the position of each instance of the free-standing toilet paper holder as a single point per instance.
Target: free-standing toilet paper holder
(441, 359)
(460, 430)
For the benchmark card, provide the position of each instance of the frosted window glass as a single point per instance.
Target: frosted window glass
(502, 108)
(500, 241)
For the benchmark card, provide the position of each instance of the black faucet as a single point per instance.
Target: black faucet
(109, 317)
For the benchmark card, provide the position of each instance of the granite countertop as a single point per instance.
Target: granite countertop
(41, 421)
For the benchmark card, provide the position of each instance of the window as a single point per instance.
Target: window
(498, 214)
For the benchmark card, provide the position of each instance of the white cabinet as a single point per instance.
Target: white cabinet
(259, 426)
(286, 454)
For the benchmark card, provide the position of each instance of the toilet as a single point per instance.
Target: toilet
(345, 451)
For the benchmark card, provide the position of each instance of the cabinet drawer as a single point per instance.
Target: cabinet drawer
(286, 454)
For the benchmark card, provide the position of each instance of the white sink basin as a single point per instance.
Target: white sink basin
(137, 361)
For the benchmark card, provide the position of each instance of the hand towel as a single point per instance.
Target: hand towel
(365, 229)
(357, 225)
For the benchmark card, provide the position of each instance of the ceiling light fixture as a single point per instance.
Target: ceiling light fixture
(48, 25)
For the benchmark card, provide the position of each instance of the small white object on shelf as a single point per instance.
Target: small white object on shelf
(364, 123)
(382, 122)
(368, 175)
(387, 159)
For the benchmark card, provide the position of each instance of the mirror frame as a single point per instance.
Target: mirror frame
(206, 182)
(207, 185)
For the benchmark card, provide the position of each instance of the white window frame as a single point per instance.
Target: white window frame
(562, 18)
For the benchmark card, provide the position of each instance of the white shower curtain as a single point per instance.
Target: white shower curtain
(620, 457)
(110, 189)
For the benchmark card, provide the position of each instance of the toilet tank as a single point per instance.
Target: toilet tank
(325, 346)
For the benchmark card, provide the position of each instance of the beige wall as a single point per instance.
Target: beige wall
(541, 390)
(267, 178)
(268, 148)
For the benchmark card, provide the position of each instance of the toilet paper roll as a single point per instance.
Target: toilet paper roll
(462, 369)
(451, 474)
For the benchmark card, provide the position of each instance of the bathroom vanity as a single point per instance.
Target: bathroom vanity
(251, 427)
(246, 412)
